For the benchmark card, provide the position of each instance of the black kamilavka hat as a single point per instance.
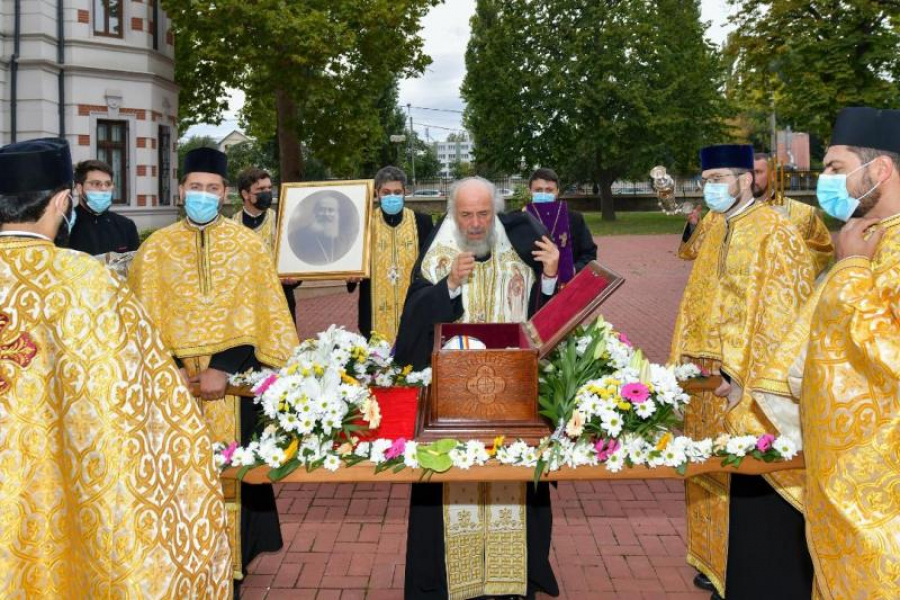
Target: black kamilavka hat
(866, 127)
(206, 160)
(35, 166)
(727, 156)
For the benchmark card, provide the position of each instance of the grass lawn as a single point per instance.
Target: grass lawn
(634, 223)
(647, 223)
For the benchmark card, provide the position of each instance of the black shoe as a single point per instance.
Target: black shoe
(703, 582)
(716, 596)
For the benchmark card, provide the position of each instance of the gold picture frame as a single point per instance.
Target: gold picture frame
(324, 229)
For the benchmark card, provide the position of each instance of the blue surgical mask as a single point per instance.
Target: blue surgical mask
(540, 197)
(834, 198)
(717, 197)
(201, 207)
(70, 222)
(391, 205)
(98, 201)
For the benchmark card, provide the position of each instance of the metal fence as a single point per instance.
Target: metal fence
(435, 188)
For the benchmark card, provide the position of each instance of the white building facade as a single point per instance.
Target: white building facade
(448, 153)
(100, 73)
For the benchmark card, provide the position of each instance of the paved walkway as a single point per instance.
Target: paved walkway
(611, 540)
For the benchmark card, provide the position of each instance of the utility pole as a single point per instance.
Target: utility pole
(774, 130)
(412, 149)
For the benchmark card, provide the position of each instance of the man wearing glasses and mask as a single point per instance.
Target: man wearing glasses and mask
(762, 276)
(98, 230)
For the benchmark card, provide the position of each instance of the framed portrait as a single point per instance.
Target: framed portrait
(323, 229)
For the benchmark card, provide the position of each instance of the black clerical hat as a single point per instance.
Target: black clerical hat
(727, 156)
(35, 166)
(206, 160)
(867, 128)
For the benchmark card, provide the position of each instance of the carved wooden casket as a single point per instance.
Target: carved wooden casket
(480, 394)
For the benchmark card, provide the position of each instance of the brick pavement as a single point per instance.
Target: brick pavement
(620, 540)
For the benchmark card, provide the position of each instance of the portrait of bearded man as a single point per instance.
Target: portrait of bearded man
(323, 228)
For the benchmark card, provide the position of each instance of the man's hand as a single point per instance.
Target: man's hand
(188, 381)
(693, 217)
(354, 279)
(548, 254)
(857, 239)
(723, 390)
(212, 384)
(462, 267)
(289, 281)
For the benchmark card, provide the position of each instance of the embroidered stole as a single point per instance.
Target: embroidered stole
(395, 252)
(485, 541)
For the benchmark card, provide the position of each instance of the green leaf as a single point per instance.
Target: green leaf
(284, 470)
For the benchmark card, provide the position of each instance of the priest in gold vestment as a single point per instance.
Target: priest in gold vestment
(107, 483)
(210, 286)
(489, 539)
(761, 274)
(398, 239)
(850, 397)
(255, 187)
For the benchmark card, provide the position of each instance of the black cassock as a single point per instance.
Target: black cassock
(106, 232)
(426, 305)
(424, 225)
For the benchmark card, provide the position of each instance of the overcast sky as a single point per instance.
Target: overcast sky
(446, 33)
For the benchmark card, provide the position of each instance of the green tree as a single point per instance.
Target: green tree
(807, 59)
(192, 143)
(252, 154)
(598, 90)
(427, 164)
(313, 72)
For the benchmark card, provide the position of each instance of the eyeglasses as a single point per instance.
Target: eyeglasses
(96, 183)
(716, 178)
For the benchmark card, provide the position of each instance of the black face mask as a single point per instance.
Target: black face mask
(263, 200)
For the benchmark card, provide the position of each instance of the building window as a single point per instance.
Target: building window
(112, 148)
(164, 160)
(108, 17)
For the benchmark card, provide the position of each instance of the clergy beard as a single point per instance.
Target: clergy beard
(327, 229)
(869, 202)
(480, 248)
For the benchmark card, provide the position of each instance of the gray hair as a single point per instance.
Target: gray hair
(497, 199)
(389, 173)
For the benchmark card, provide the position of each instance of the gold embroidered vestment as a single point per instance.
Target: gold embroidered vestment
(107, 482)
(850, 414)
(395, 250)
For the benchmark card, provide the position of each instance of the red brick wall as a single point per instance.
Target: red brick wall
(84, 17)
(137, 24)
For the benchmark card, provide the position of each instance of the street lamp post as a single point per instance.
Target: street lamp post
(397, 139)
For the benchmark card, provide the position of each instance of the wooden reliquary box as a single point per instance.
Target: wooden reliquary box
(480, 394)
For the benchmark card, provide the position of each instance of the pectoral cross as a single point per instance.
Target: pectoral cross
(393, 274)
(563, 239)
(20, 351)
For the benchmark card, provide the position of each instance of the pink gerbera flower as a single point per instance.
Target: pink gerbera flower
(637, 393)
(765, 442)
(265, 384)
(606, 448)
(624, 339)
(228, 452)
(396, 449)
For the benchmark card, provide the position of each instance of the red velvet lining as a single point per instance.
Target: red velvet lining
(398, 414)
(496, 336)
(568, 303)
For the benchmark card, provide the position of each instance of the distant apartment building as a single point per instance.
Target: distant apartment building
(458, 149)
(99, 73)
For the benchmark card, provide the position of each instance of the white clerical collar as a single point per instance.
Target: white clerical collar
(742, 209)
(31, 234)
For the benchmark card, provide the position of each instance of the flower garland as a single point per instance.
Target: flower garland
(611, 407)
